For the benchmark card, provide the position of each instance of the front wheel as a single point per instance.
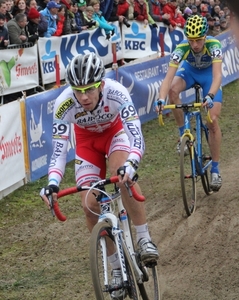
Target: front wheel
(188, 176)
(101, 270)
(206, 160)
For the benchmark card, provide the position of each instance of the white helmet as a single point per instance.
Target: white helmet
(85, 69)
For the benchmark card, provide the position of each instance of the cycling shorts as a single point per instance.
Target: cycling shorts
(203, 77)
(92, 149)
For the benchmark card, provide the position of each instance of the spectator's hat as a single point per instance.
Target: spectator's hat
(223, 20)
(81, 3)
(52, 4)
(33, 13)
(2, 17)
(194, 7)
(187, 10)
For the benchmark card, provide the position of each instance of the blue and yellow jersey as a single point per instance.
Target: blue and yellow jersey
(212, 52)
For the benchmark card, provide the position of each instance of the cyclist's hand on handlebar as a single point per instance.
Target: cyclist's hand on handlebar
(127, 172)
(159, 105)
(208, 101)
(49, 195)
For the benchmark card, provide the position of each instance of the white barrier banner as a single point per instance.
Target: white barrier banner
(12, 166)
(134, 42)
(18, 70)
(141, 40)
(68, 46)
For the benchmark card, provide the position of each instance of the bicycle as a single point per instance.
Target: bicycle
(193, 166)
(139, 281)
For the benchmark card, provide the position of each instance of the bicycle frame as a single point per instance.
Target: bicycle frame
(188, 116)
(119, 235)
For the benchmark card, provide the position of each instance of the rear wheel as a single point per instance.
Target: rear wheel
(187, 178)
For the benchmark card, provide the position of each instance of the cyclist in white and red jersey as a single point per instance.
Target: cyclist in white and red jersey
(197, 59)
(106, 124)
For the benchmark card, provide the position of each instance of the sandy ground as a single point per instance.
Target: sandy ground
(199, 255)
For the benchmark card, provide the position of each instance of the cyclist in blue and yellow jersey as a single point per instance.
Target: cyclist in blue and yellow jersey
(197, 59)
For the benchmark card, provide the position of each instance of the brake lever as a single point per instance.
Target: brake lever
(128, 189)
(51, 203)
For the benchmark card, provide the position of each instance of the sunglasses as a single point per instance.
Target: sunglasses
(89, 89)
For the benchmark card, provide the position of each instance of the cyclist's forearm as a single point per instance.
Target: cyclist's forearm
(165, 86)
(215, 86)
(164, 89)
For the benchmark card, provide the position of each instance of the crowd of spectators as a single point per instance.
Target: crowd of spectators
(24, 21)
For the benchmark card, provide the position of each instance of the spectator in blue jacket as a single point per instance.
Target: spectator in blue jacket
(99, 18)
(50, 13)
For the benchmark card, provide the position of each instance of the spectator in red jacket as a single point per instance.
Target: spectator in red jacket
(170, 8)
(179, 19)
(156, 12)
(140, 9)
(115, 16)
(123, 7)
(60, 20)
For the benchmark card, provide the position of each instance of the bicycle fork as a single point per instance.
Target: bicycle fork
(128, 241)
(117, 233)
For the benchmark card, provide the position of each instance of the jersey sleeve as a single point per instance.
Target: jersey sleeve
(132, 127)
(179, 54)
(215, 49)
(60, 138)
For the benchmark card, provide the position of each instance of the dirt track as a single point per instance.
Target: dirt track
(199, 255)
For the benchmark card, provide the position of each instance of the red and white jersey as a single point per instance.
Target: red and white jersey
(115, 107)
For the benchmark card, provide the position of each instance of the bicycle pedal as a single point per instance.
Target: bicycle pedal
(145, 273)
(207, 157)
(151, 264)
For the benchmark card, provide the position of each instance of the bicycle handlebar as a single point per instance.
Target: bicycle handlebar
(183, 106)
(71, 190)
